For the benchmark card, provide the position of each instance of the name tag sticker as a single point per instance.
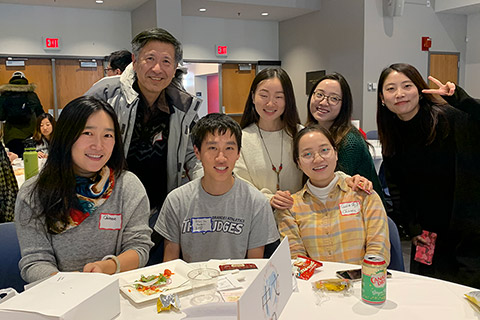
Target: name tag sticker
(201, 225)
(110, 221)
(349, 208)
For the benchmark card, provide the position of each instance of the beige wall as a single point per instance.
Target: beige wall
(330, 39)
(472, 68)
(398, 39)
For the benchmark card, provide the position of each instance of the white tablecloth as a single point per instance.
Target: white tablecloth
(408, 297)
(18, 164)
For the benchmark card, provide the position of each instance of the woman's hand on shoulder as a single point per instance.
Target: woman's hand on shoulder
(447, 89)
(12, 156)
(42, 155)
(357, 182)
(281, 200)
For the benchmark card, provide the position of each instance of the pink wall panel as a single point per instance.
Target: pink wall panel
(212, 93)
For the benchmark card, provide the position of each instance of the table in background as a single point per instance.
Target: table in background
(18, 169)
(409, 297)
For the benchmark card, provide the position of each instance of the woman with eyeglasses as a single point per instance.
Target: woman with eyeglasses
(329, 221)
(269, 123)
(330, 105)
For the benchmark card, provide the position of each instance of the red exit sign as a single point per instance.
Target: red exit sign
(221, 51)
(50, 43)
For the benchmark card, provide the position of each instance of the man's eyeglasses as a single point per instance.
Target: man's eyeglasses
(310, 155)
(108, 69)
(320, 96)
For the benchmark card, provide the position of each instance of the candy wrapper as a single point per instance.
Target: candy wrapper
(474, 297)
(333, 285)
(323, 287)
(168, 301)
(305, 267)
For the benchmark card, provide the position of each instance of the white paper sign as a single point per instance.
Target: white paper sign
(268, 294)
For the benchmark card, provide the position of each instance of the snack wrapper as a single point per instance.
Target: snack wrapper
(323, 289)
(304, 267)
(168, 301)
(474, 297)
(334, 285)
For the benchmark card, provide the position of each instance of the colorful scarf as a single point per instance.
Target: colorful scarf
(91, 193)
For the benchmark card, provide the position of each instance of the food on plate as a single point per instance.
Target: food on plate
(149, 288)
(304, 267)
(168, 301)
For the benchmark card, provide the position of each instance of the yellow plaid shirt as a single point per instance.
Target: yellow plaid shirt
(345, 228)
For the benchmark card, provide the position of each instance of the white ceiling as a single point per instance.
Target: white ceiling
(121, 5)
(229, 9)
(215, 8)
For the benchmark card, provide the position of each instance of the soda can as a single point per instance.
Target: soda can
(374, 279)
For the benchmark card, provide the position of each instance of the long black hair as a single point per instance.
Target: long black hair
(343, 122)
(56, 182)
(289, 117)
(432, 115)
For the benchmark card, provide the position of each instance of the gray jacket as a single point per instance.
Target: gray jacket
(181, 160)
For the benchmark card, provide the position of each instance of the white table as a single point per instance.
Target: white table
(18, 164)
(409, 297)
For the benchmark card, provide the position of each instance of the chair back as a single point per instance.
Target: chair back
(396, 256)
(372, 135)
(9, 258)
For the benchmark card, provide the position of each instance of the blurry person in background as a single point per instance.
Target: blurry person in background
(8, 183)
(117, 62)
(43, 133)
(19, 108)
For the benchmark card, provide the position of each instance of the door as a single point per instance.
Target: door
(443, 66)
(38, 72)
(235, 88)
(73, 81)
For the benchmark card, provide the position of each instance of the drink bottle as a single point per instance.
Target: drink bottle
(30, 159)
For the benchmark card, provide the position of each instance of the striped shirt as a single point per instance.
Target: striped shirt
(349, 225)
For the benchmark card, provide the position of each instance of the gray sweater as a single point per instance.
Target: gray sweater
(44, 253)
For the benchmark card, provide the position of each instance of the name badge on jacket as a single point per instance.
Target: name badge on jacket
(110, 221)
(349, 208)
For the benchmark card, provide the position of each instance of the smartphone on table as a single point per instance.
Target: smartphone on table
(354, 274)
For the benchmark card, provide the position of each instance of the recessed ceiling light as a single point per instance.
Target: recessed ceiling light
(264, 13)
(99, 1)
(202, 9)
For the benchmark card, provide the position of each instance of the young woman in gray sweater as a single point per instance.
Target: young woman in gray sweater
(83, 212)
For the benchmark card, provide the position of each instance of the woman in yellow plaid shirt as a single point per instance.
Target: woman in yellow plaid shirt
(329, 221)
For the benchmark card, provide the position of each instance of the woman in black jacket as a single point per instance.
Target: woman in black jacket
(430, 153)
